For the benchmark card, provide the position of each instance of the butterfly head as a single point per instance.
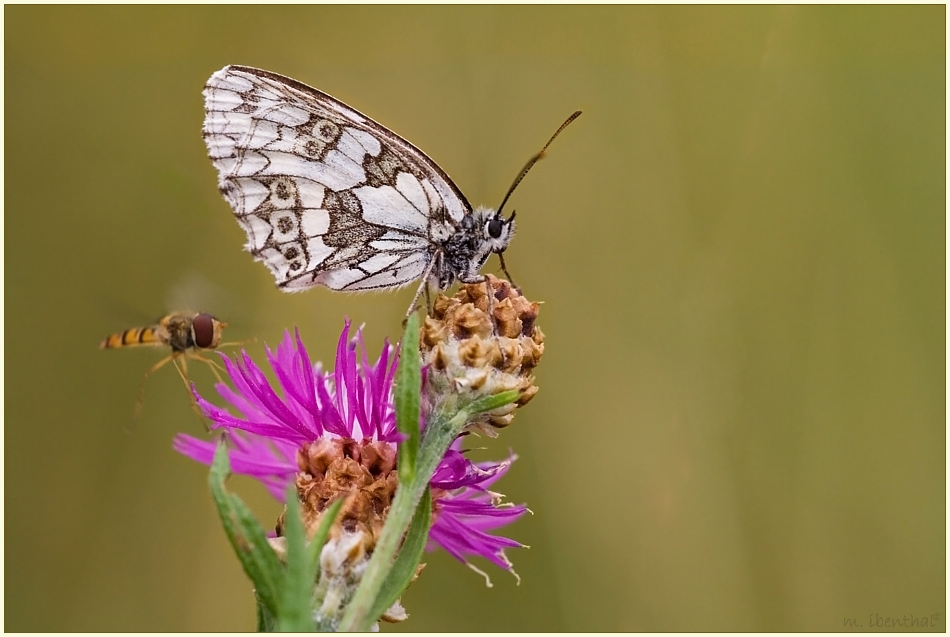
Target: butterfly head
(480, 233)
(496, 231)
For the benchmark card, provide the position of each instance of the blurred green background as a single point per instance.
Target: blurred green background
(740, 246)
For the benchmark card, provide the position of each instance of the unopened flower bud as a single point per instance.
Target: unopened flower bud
(480, 345)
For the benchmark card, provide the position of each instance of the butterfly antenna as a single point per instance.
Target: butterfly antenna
(534, 160)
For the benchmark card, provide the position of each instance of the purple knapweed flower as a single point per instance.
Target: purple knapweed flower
(334, 433)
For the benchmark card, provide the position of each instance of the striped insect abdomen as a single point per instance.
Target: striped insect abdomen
(135, 336)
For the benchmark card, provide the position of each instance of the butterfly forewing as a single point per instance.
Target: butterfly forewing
(325, 194)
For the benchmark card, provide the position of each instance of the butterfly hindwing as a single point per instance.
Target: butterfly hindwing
(325, 194)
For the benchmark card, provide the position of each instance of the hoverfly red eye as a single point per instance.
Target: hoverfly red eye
(203, 330)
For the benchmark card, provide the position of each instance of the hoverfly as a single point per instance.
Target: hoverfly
(186, 333)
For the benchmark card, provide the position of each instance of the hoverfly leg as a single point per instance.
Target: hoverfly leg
(183, 373)
(140, 403)
(236, 344)
(214, 365)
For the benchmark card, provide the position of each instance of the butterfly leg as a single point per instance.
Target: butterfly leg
(424, 285)
(491, 312)
(501, 257)
(491, 306)
(490, 295)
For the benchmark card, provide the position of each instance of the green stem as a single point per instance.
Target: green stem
(438, 435)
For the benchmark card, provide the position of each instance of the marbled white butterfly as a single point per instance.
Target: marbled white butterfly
(328, 196)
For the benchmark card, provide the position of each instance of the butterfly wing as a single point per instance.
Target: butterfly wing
(325, 194)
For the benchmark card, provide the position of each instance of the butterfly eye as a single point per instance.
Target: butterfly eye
(203, 328)
(494, 228)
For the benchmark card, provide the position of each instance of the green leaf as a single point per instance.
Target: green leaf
(316, 545)
(246, 535)
(270, 576)
(406, 562)
(408, 389)
(487, 403)
(296, 598)
(266, 623)
(303, 565)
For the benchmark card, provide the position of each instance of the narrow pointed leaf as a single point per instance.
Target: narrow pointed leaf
(408, 388)
(487, 403)
(245, 534)
(266, 623)
(406, 562)
(300, 574)
(268, 584)
(320, 538)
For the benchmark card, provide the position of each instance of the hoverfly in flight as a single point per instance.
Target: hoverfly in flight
(187, 333)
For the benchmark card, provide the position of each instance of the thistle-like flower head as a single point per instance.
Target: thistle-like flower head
(333, 434)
